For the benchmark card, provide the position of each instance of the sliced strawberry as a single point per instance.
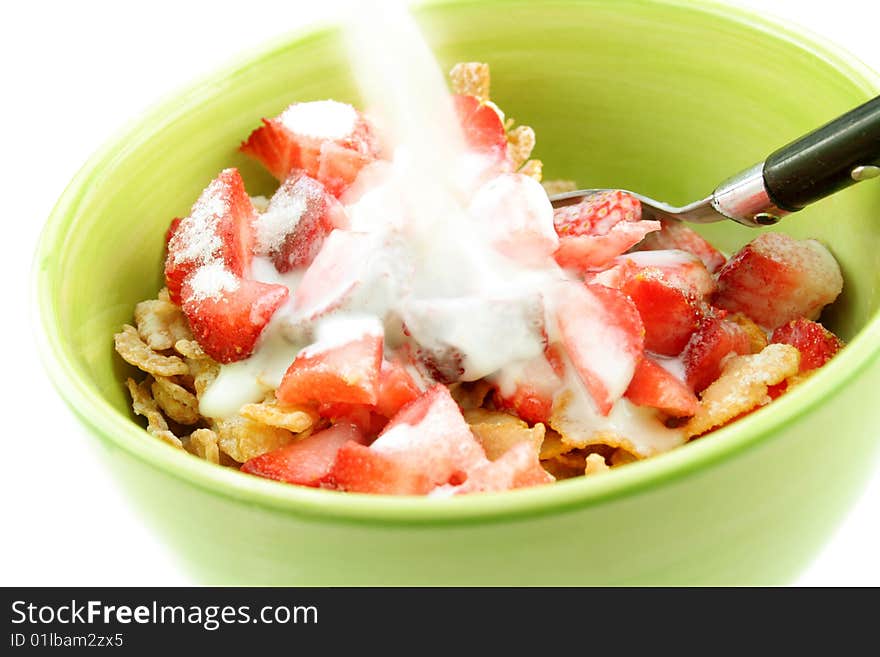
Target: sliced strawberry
(533, 388)
(680, 268)
(518, 467)
(360, 469)
(218, 228)
(603, 336)
(226, 314)
(333, 371)
(677, 235)
(397, 388)
(669, 313)
(775, 279)
(172, 228)
(305, 462)
(817, 344)
(599, 228)
(339, 166)
(516, 212)
(301, 214)
(312, 136)
(430, 436)
(708, 348)
(482, 125)
(654, 386)
(274, 146)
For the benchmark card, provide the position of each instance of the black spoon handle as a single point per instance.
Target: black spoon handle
(826, 160)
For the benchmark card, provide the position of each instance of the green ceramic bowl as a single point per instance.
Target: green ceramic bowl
(662, 96)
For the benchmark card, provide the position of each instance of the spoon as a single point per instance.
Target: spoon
(833, 157)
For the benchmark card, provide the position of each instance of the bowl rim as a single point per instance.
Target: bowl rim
(688, 460)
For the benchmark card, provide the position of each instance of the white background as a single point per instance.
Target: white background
(72, 74)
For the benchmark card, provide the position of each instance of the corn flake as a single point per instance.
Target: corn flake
(270, 413)
(497, 432)
(243, 439)
(136, 352)
(470, 78)
(189, 349)
(742, 386)
(595, 464)
(203, 443)
(142, 403)
(554, 187)
(533, 169)
(160, 324)
(520, 143)
(757, 337)
(176, 402)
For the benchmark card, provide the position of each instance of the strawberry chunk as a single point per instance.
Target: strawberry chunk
(360, 469)
(680, 268)
(328, 140)
(172, 228)
(670, 313)
(599, 228)
(301, 214)
(678, 235)
(482, 125)
(228, 314)
(331, 370)
(430, 436)
(529, 395)
(397, 388)
(775, 279)
(817, 344)
(652, 385)
(708, 348)
(515, 210)
(604, 337)
(219, 228)
(518, 467)
(427, 444)
(304, 462)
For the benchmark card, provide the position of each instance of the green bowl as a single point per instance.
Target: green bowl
(662, 96)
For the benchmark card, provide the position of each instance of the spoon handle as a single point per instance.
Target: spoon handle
(835, 156)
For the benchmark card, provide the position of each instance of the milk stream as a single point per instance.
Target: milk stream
(426, 258)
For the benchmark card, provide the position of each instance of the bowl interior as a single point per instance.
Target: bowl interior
(666, 98)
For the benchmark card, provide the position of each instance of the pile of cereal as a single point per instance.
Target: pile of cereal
(339, 335)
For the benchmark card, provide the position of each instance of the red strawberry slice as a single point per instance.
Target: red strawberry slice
(314, 137)
(275, 147)
(305, 462)
(329, 371)
(172, 228)
(515, 210)
(482, 126)
(677, 235)
(603, 336)
(654, 386)
(219, 228)
(533, 389)
(817, 344)
(680, 268)
(227, 314)
(669, 313)
(775, 279)
(359, 469)
(431, 437)
(301, 214)
(708, 348)
(599, 228)
(518, 467)
(397, 388)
